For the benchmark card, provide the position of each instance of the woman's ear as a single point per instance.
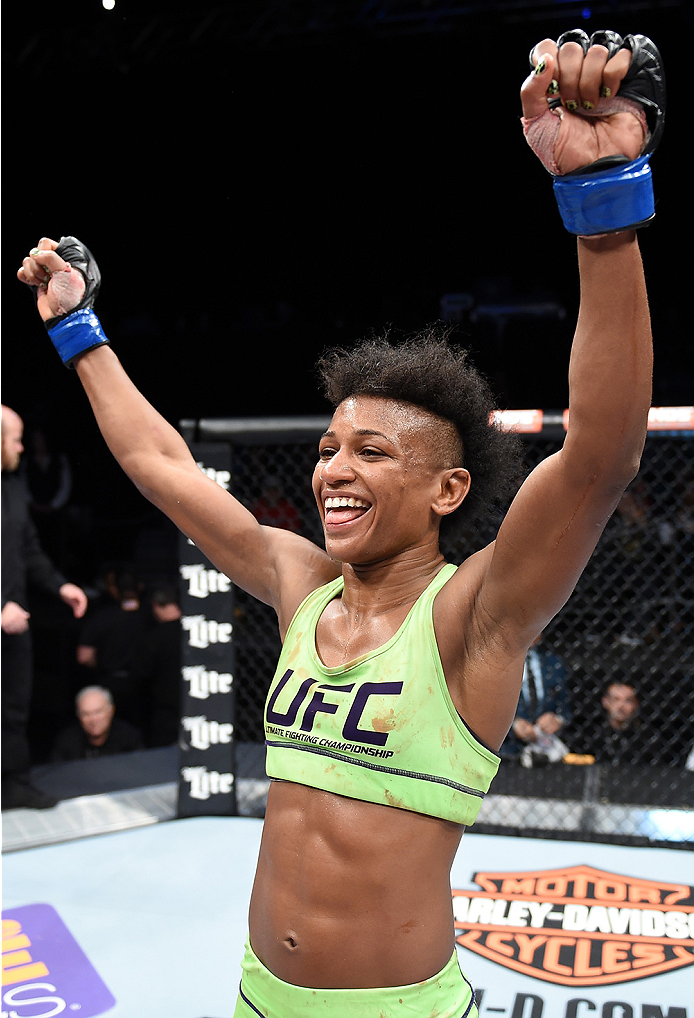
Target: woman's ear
(455, 484)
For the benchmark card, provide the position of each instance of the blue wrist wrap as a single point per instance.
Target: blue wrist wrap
(620, 198)
(76, 333)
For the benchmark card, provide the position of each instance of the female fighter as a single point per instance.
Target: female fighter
(400, 673)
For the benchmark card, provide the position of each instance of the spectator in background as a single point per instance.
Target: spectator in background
(49, 480)
(99, 732)
(24, 563)
(109, 644)
(274, 510)
(624, 735)
(620, 735)
(157, 669)
(543, 710)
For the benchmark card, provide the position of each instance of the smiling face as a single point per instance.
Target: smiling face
(380, 482)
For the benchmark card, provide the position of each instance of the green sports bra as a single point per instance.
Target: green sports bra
(382, 728)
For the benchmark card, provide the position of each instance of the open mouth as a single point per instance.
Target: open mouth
(344, 510)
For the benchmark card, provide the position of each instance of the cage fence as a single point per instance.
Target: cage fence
(627, 629)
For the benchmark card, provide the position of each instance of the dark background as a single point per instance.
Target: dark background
(259, 180)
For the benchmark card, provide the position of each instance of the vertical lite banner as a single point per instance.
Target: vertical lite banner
(207, 771)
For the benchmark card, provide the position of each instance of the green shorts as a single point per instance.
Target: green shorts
(447, 995)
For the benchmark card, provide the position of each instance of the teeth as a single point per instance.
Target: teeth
(344, 503)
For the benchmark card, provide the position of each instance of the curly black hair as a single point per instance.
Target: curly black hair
(427, 370)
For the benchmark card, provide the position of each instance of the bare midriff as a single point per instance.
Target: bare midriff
(351, 894)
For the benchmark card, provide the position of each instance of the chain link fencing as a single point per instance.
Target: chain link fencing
(624, 635)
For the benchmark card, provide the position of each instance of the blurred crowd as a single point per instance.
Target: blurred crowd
(91, 650)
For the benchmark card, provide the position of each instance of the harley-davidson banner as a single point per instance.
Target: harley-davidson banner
(613, 933)
(578, 926)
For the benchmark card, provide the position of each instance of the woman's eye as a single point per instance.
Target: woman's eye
(326, 453)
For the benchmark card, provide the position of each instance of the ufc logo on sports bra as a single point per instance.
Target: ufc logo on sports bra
(314, 704)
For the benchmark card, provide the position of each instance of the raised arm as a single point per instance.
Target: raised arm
(275, 566)
(556, 519)
(558, 515)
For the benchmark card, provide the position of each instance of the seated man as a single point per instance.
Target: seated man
(628, 733)
(98, 733)
(621, 735)
(543, 709)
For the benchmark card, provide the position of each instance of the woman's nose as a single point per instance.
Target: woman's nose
(337, 468)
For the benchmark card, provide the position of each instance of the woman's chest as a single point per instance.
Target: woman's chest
(341, 638)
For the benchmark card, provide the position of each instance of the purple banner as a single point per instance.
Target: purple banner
(44, 970)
